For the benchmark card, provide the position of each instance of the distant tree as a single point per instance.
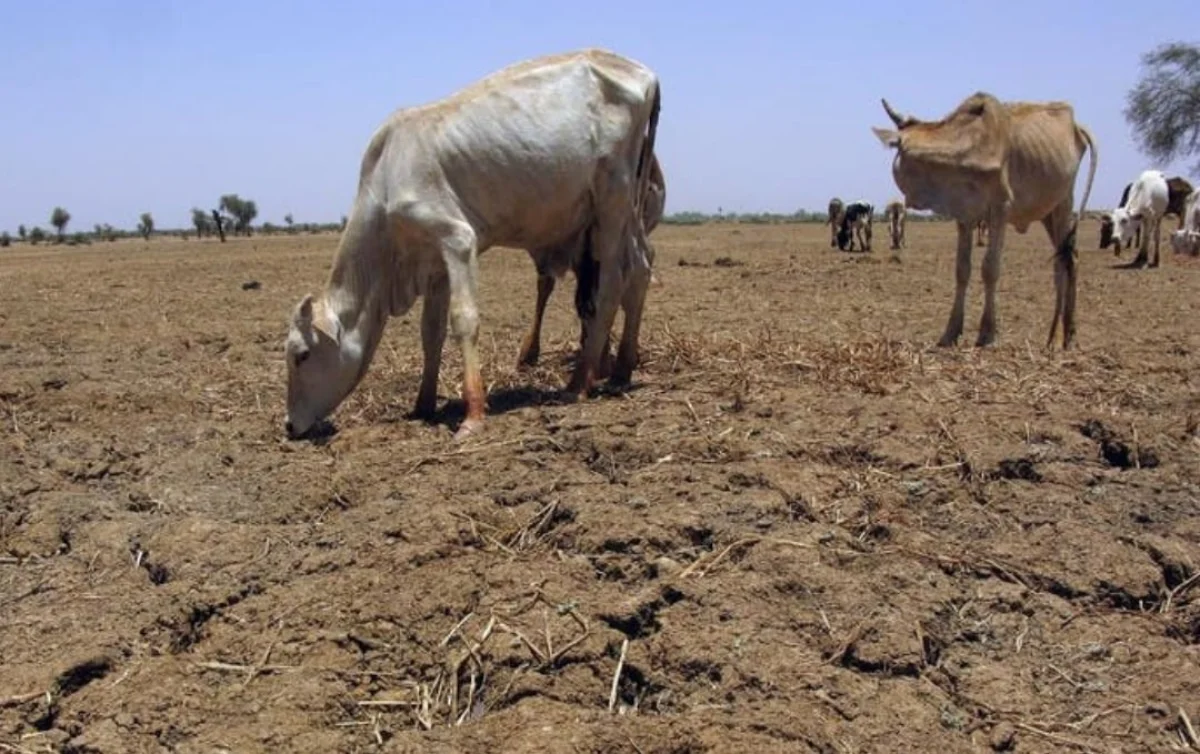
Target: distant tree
(243, 212)
(289, 222)
(21, 232)
(37, 235)
(110, 233)
(59, 219)
(5, 239)
(1164, 107)
(269, 229)
(202, 222)
(98, 231)
(220, 223)
(146, 225)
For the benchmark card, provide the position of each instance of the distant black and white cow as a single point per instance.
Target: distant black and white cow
(836, 208)
(856, 220)
(1178, 191)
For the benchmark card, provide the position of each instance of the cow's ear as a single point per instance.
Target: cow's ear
(302, 316)
(889, 137)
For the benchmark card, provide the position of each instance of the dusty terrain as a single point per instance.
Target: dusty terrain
(804, 528)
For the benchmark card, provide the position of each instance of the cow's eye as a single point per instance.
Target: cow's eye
(301, 357)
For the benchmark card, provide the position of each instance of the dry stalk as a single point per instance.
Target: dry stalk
(702, 566)
(1054, 737)
(1191, 581)
(1186, 725)
(20, 699)
(612, 695)
(852, 638)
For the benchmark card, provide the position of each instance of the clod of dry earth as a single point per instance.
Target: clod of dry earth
(802, 529)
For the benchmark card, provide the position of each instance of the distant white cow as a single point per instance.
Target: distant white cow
(1186, 240)
(1147, 205)
(551, 155)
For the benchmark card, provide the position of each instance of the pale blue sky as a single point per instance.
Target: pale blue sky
(116, 108)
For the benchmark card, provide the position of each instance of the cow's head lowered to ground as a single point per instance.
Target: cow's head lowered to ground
(323, 366)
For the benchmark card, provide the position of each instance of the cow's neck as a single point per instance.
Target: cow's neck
(355, 296)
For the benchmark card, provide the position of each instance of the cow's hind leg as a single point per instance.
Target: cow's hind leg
(633, 303)
(1062, 232)
(531, 347)
(962, 277)
(597, 303)
(433, 336)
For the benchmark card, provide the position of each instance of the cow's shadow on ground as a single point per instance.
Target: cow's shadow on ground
(1137, 263)
(505, 400)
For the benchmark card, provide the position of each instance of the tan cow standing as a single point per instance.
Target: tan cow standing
(896, 214)
(1012, 163)
(531, 346)
(552, 155)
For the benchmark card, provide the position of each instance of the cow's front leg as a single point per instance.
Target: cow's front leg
(433, 337)
(462, 272)
(962, 277)
(991, 278)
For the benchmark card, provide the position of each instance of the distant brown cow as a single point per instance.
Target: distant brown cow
(836, 208)
(896, 214)
(1006, 162)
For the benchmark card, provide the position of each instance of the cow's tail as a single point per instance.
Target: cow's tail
(1094, 157)
(642, 180)
(1065, 263)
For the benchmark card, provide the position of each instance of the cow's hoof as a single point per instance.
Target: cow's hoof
(469, 428)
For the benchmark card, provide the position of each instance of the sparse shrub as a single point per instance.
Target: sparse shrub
(146, 225)
(21, 232)
(5, 240)
(37, 235)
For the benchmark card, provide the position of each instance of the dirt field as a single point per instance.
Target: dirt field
(804, 528)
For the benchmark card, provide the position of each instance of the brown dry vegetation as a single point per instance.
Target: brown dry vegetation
(803, 529)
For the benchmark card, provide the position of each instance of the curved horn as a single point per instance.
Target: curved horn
(900, 120)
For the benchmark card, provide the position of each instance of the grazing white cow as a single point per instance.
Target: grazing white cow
(1186, 240)
(652, 211)
(1147, 205)
(1011, 163)
(552, 155)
